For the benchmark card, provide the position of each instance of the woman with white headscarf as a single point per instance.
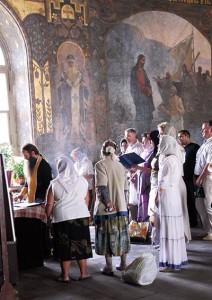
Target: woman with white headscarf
(172, 254)
(167, 129)
(84, 167)
(66, 204)
(112, 233)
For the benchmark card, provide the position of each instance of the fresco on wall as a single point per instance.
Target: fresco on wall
(73, 115)
(26, 7)
(173, 84)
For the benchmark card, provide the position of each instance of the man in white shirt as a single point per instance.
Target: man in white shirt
(133, 146)
(204, 178)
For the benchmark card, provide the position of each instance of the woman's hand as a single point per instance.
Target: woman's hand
(161, 191)
(137, 167)
(157, 200)
(19, 197)
(133, 178)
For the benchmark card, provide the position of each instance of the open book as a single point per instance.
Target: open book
(129, 159)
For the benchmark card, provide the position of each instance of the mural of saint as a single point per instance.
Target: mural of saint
(141, 92)
(73, 96)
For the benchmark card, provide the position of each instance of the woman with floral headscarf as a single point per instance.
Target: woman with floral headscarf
(172, 254)
(66, 203)
(112, 234)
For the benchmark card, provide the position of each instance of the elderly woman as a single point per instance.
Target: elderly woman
(166, 129)
(112, 235)
(66, 203)
(172, 254)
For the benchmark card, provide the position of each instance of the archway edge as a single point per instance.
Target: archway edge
(15, 41)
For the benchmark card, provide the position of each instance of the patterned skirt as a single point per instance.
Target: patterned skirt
(72, 239)
(112, 236)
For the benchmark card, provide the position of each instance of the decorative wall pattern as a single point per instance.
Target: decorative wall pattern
(36, 26)
(43, 107)
(68, 10)
(26, 7)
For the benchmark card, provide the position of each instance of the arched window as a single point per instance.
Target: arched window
(5, 126)
(15, 91)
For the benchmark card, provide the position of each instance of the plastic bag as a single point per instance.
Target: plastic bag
(138, 229)
(143, 270)
(133, 228)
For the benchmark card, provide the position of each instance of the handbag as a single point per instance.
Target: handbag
(199, 192)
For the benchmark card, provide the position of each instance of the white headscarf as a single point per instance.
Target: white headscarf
(67, 175)
(79, 154)
(168, 129)
(168, 145)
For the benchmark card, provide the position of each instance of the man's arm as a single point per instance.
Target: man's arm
(202, 175)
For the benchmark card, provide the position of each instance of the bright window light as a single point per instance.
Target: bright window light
(4, 134)
(3, 95)
(2, 60)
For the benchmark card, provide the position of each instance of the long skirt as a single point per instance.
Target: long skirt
(172, 240)
(72, 239)
(112, 236)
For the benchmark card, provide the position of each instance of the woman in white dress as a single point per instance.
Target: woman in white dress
(172, 254)
(166, 129)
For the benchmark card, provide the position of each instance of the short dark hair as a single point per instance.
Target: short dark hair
(185, 132)
(123, 141)
(145, 135)
(30, 148)
(208, 122)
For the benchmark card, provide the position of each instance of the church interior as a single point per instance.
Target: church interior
(65, 69)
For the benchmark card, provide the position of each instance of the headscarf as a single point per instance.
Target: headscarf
(168, 129)
(79, 153)
(109, 149)
(168, 146)
(67, 175)
(154, 136)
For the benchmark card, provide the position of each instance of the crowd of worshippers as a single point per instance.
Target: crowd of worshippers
(159, 190)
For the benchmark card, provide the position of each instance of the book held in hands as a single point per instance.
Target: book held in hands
(129, 159)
